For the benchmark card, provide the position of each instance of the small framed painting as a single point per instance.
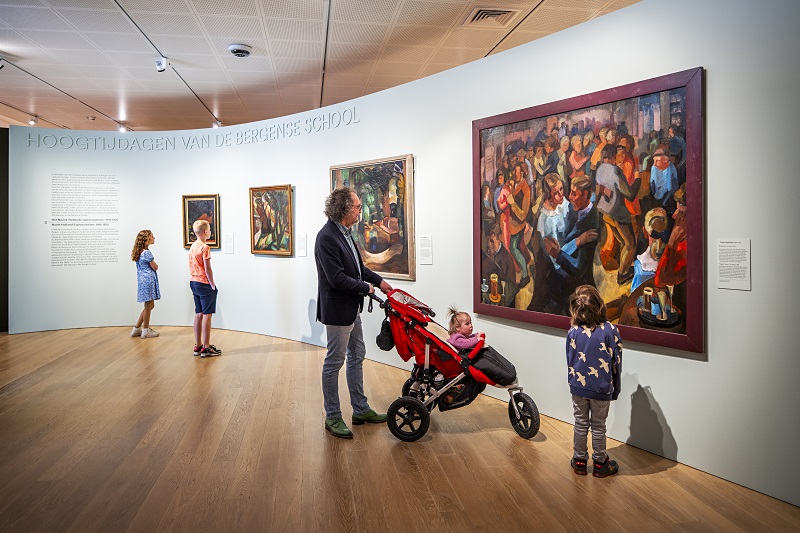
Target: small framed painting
(200, 207)
(271, 228)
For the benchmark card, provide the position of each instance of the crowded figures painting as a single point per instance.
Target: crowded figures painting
(384, 233)
(603, 189)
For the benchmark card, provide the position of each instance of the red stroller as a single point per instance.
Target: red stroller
(441, 375)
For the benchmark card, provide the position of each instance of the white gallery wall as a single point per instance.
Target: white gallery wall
(732, 411)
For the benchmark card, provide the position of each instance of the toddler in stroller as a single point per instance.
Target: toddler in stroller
(442, 376)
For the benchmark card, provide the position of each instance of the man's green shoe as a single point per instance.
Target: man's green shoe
(370, 416)
(338, 428)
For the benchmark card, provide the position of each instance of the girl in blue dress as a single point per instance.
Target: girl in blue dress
(147, 278)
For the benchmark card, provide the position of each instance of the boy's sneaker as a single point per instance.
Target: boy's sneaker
(136, 332)
(607, 468)
(148, 333)
(579, 466)
(197, 349)
(210, 351)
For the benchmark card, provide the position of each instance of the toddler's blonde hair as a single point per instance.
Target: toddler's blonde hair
(455, 319)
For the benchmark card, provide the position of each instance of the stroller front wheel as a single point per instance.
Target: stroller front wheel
(408, 419)
(527, 425)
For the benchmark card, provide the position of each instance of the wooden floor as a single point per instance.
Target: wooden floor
(101, 432)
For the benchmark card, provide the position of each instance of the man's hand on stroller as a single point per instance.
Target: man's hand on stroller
(385, 287)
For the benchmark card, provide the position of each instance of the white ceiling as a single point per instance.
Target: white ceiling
(66, 60)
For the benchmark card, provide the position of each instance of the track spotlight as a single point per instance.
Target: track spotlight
(161, 64)
(216, 124)
(34, 120)
(122, 128)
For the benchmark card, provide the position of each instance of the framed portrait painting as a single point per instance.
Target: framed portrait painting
(604, 189)
(271, 229)
(385, 229)
(200, 207)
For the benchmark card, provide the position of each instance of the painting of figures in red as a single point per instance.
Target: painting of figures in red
(607, 194)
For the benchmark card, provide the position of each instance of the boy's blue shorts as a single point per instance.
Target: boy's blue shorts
(205, 298)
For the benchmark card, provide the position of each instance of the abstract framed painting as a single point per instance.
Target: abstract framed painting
(604, 189)
(271, 228)
(385, 236)
(201, 207)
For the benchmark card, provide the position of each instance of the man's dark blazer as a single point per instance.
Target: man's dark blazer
(340, 289)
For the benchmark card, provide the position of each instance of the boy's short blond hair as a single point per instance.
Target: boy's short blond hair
(200, 226)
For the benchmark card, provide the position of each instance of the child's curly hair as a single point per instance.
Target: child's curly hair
(587, 307)
(140, 243)
(455, 319)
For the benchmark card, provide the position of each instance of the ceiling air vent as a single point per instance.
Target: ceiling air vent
(486, 17)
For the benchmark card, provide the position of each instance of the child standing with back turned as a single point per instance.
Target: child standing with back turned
(204, 290)
(147, 283)
(594, 358)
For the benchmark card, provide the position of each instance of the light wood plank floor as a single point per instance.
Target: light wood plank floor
(101, 432)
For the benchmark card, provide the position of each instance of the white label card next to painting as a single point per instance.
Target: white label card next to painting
(425, 250)
(734, 264)
(302, 244)
(227, 243)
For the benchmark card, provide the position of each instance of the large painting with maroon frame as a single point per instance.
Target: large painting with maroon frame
(603, 189)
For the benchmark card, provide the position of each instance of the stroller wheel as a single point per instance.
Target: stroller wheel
(527, 425)
(406, 391)
(407, 418)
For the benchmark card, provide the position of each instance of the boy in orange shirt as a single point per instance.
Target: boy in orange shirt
(204, 290)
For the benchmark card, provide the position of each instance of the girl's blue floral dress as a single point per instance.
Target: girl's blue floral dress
(147, 278)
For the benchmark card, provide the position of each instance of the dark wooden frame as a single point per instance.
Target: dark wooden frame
(214, 241)
(289, 220)
(692, 80)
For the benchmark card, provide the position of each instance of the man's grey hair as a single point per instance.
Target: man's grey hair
(339, 203)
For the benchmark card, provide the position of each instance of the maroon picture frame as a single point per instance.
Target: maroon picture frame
(692, 81)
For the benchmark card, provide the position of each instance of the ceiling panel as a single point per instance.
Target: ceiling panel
(33, 18)
(378, 11)
(553, 20)
(350, 51)
(393, 68)
(403, 35)
(156, 6)
(416, 13)
(244, 8)
(417, 54)
(64, 40)
(119, 42)
(473, 38)
(457, 55)
(109, 20)
(168, 24)
(347, 32)
(298, 30)
(298, 49)
(233, 27)
(293, 9)
(91, 50)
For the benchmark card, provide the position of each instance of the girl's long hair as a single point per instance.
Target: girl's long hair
(140, 244)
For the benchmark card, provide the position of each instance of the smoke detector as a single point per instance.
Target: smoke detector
(240, 50)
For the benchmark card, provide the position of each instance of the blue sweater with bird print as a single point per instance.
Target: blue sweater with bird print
(594, 359)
